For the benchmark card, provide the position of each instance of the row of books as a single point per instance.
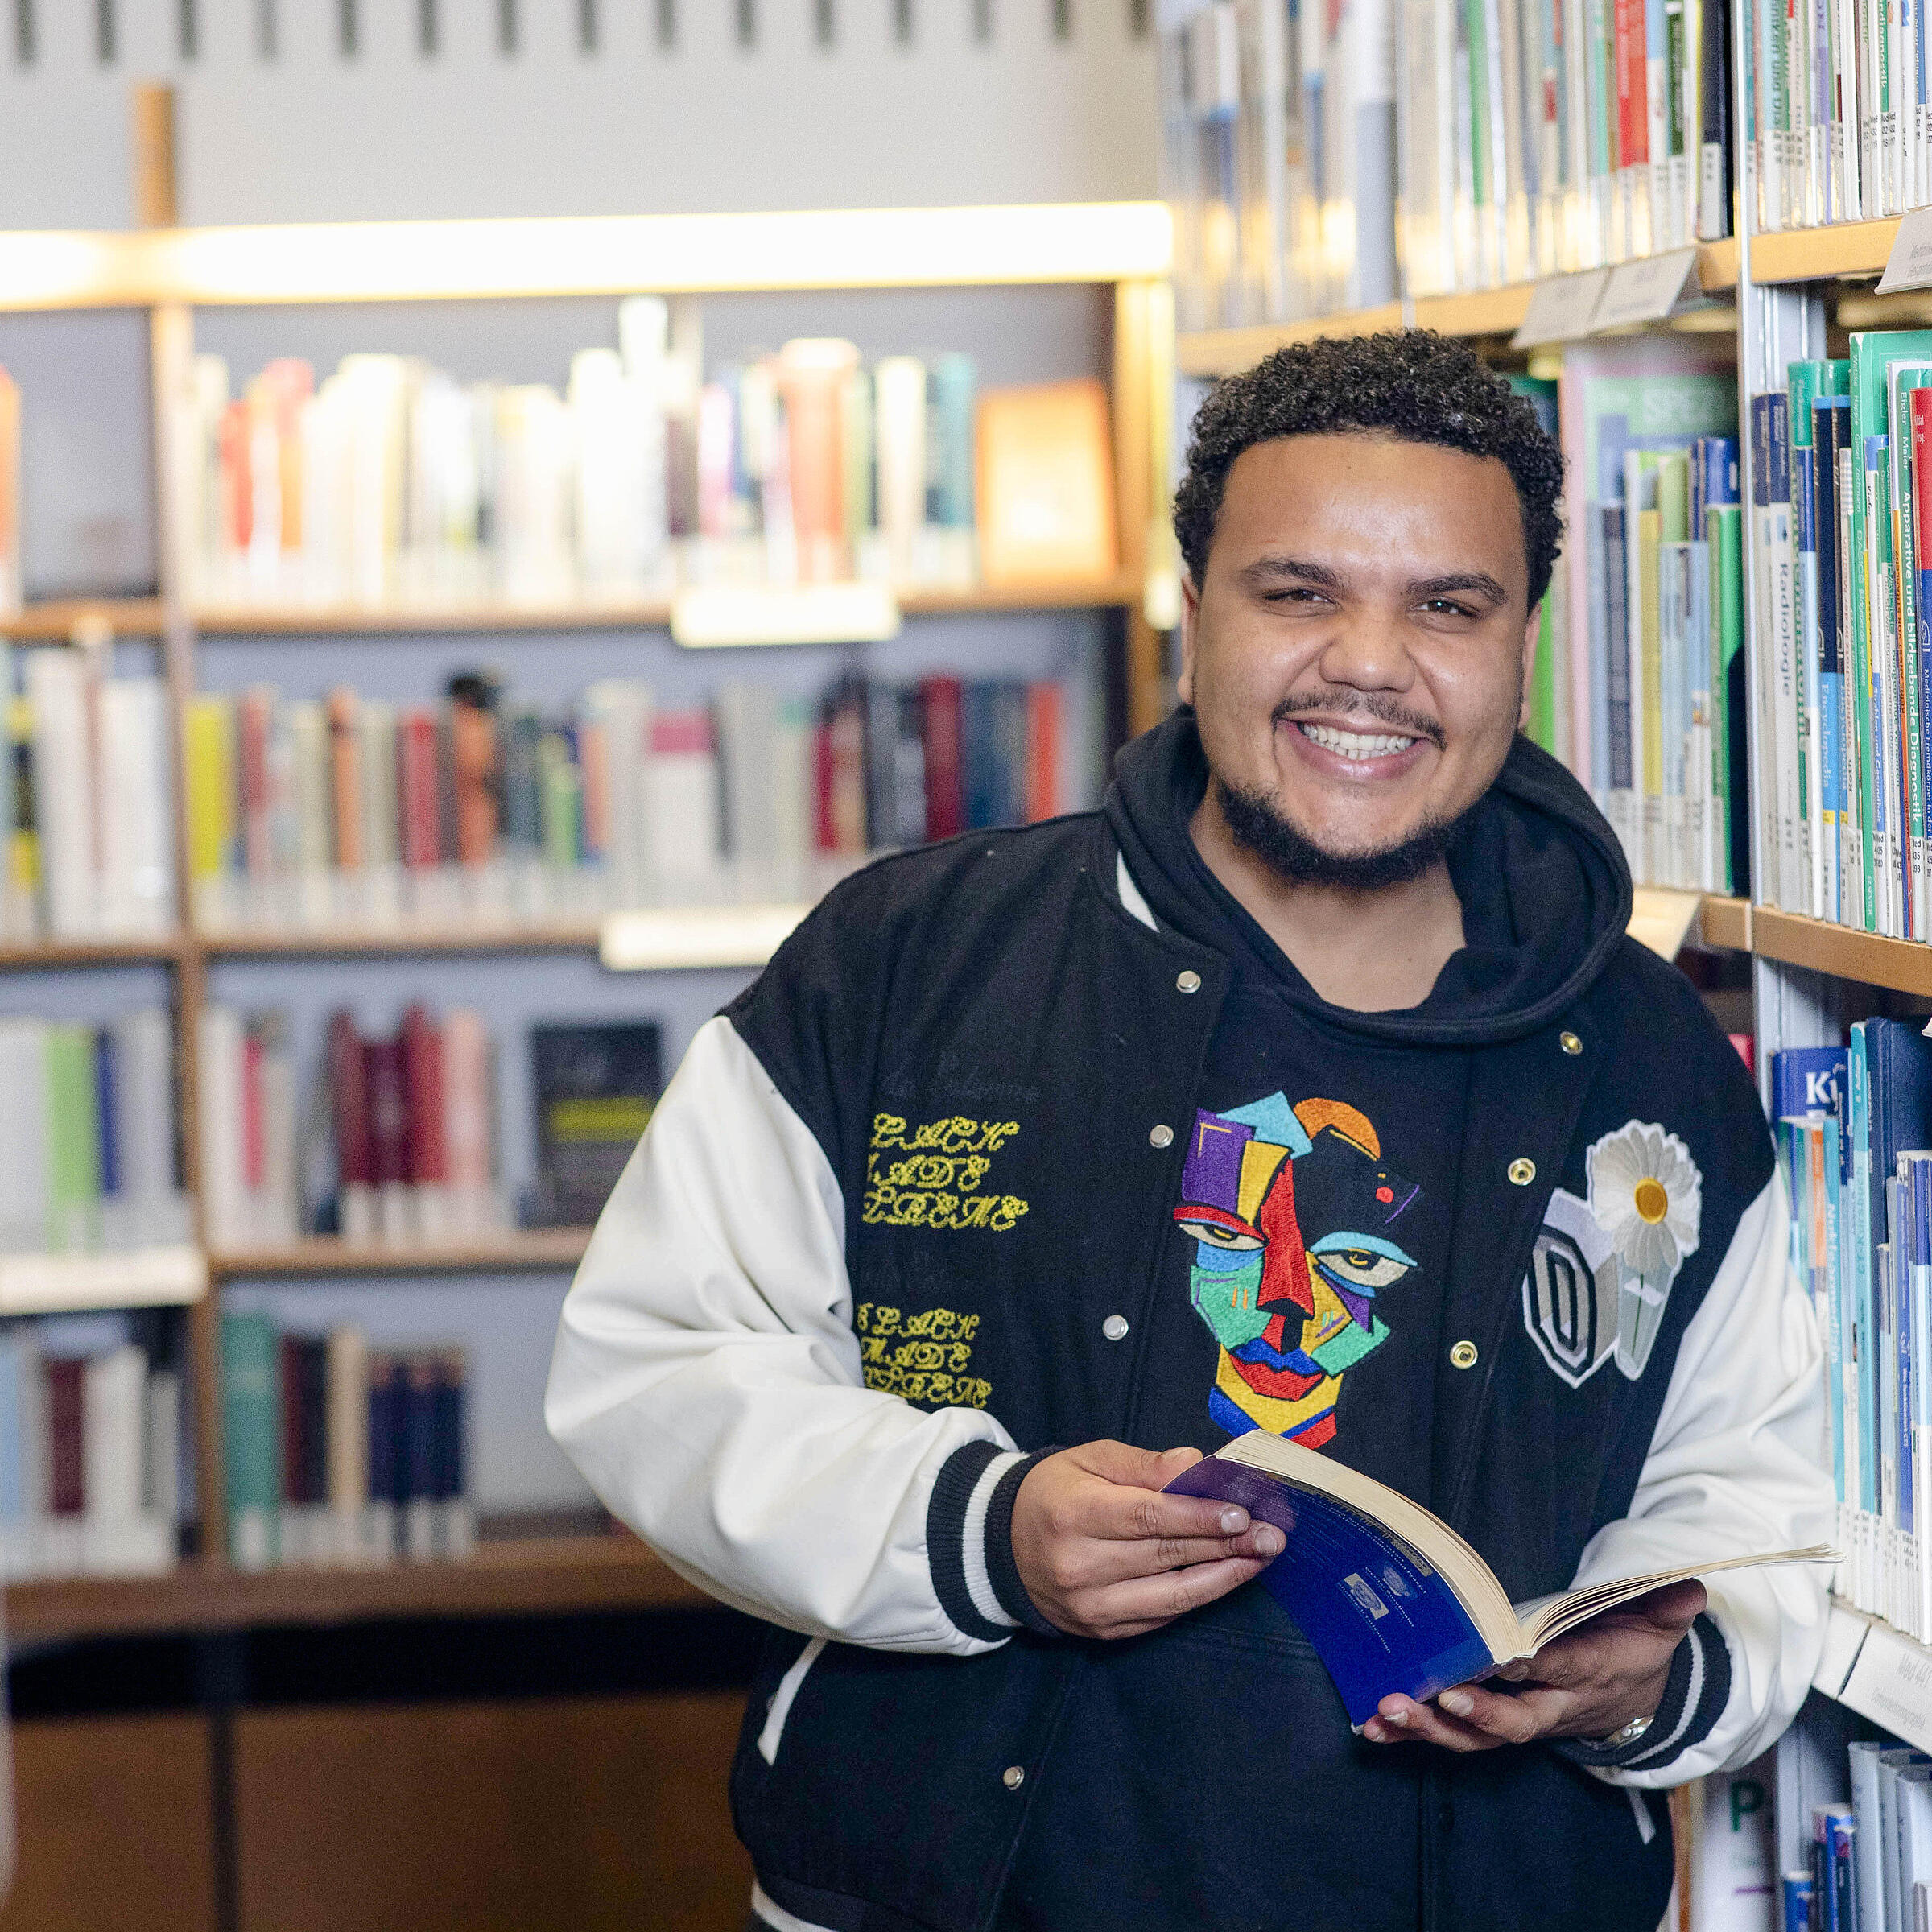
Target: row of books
(392, 1140)
(1844, 771)
(1837, 112)
(1653, 579)
(87, 1144)
(90, 1454)
(313, 813)
(395, 1140)
(392, 483)
(11, 589)
(1307, 149)
(1870, 1852)
(86, 806)
(1854, 1127)
(339, 1453)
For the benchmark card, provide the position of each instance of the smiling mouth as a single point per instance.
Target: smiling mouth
(1356, 744)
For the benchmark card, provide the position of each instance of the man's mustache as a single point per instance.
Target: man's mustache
(1359, 704)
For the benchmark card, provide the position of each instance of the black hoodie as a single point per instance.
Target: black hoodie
(1111, 1175)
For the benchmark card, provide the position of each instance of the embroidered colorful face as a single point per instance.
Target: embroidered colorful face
(1290, 1210)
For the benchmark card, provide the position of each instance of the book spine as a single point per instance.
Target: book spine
(252, 1432)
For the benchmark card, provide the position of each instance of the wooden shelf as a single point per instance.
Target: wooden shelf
(1490, 312)
(1905, 965)
(127, 616)
(142, 1278)
(596, 255)
(521, 1250)
(1855, 249)
(529, 1577)
(649, 613)
(51, 953)
(562, 936)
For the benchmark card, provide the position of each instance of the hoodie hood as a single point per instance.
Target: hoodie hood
(1545, 889)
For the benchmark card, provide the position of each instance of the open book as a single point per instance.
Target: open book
(1391, 1599)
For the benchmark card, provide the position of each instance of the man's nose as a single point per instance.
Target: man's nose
(1368, 651)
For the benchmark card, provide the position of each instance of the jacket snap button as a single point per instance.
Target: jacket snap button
(1189, 981)
(1013, 1777)
(1115, 1327)
(1160, 1136)
(1462, 1355)
(1570, 1043)
(1522, 1172)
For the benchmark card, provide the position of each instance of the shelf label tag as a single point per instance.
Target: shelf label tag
(1660, 918)
(1646, 290)
(1562, 307)
(1909, 264)
(1891, 1684)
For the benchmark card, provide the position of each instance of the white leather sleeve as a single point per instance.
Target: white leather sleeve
(1736, 1467)
(707, 1379)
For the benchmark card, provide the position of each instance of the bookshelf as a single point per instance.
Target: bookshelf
(525, 1577)
(171, 275)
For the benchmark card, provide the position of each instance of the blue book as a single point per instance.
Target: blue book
(1807, 1079)
(1836, 1275)
(1831, 430)
(1798, 1902)
(953, 392)
(1393, 1600)
(1839, 1876)
(1863, 1288)
(983, 777)
(107, 1111)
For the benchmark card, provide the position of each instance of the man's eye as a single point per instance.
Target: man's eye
(1447, 607)
(1298, 594)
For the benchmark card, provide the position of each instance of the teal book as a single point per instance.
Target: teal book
(73, 1138)
(251, 1418)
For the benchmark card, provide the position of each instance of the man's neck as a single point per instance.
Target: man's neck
(1370, 952)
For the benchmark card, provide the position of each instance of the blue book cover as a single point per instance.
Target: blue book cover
(1382, 1620)
(1840, 1872)
(1718, 468)
(1831, 426)
(107, 1112)
(1863, 1287)
(1834, 1297)
(1798, 1902)
(1807, 1079)
(1393, 1600)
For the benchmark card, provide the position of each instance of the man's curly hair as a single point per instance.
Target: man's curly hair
(1413, 384)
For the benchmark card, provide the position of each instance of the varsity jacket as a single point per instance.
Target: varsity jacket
(1033, 1138)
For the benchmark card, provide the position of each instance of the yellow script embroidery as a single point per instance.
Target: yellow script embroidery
(941, 1164)
(921, 1357)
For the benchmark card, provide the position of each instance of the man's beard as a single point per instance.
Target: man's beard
(1257, 825)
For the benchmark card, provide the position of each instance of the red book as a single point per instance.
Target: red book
(945, 801)
(237, 486)
(812, 375)
(388, 1110)
(295, 1462)
(416, 787)
(355, 1157)
(822, 836)
(255, 1155)
(1922, 479)
(1043, 751)
(1633, 101)
(423, 1098)
(67, 1457)
(255, 722)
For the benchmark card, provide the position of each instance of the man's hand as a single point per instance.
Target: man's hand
(1592, 1682)
(1103, 1554)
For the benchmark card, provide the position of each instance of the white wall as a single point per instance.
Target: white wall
(312, 135)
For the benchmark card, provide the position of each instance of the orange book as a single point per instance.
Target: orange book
(11, 591)
(238, 491)
(345, 770)
(1046, 484)
(473, 738)
(812, 375)
(1043, 751)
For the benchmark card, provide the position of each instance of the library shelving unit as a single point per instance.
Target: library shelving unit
(169, 273)
(1791, 295)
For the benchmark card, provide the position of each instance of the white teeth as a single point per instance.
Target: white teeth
(1357, 744)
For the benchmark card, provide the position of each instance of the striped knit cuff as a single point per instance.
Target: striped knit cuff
(955, 1539)
(1000, 1567)
(1694, 1695)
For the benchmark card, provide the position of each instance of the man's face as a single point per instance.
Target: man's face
(1358, 654)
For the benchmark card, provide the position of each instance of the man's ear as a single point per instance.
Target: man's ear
(1190, 617)
(1530, 637)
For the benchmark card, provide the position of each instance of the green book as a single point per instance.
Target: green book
(1903, 377)
(251, 1425)
(1805, 380)
(1730, 763)
(73, 1138)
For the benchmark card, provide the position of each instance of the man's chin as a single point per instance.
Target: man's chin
(1257, 825)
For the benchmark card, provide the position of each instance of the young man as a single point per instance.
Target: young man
(1311, 1085)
